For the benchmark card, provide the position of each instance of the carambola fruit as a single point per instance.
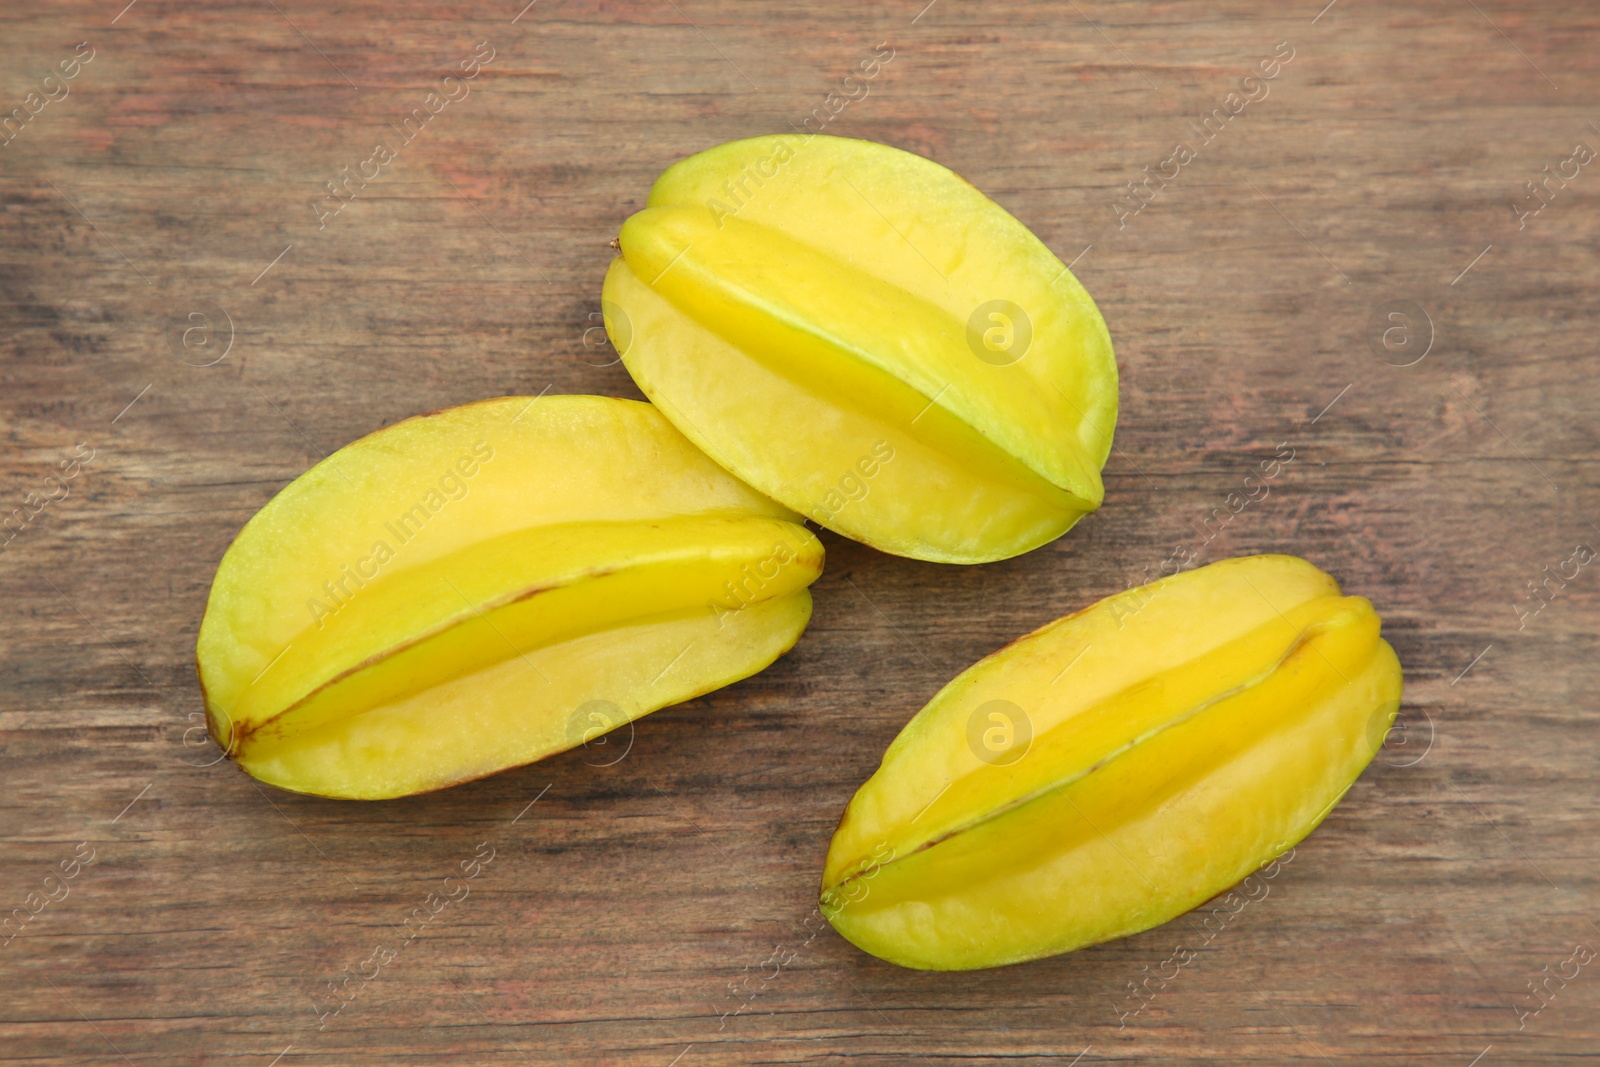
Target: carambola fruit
(865, 337)
(1115, 768)
(479, 588)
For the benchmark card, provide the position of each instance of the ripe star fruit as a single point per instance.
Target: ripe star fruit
(479, 588)
(865, 337)
(1115, 768)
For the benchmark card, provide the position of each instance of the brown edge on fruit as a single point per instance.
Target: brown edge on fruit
(1024, 471)
(1013, 643)
(229, 750)
(240, 736)
(1302, 640)
(205, 695)
(806, 590)
(477, 611)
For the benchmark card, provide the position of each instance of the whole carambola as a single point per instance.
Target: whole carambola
(1115, 768)
(869, 340)
(482, 587)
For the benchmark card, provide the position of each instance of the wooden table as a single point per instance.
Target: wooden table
(1442, 460)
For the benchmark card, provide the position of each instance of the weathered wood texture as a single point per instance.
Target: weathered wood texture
(1247, 301)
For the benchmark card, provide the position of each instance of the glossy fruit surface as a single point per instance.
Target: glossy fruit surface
(482, 587)
(1115, 768)
(862, 335)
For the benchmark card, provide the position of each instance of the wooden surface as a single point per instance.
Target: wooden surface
(1248, 303)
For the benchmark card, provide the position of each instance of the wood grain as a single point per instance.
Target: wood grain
(1247, 301)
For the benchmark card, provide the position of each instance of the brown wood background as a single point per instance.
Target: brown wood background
(178, 177)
